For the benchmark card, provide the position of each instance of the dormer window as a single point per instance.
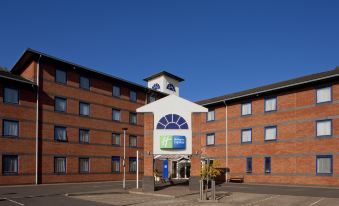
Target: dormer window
(156, 86)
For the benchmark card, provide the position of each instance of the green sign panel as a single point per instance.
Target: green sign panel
(172, 142)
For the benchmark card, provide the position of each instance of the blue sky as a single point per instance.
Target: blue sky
(218, 47)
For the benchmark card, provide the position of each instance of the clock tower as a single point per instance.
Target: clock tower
(164, 82)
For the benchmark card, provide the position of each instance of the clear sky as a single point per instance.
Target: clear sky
(218, 47)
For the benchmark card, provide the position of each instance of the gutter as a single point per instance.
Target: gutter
(269, 90)
(37, 123)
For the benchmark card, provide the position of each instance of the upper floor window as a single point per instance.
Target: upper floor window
(133, 141)
(172, 121)
(116, 91)
(11, 95)
(83, 135)
(271, 133)
(116, 114)
(133, 96)
(170, 87)
(132, 164)
(324, 128)
(10, 128)
(152, 98)
(324, 164)
(324, 95)
(246, 135)
(83, 165)
(249, 164)
(246, 108)
(270, 104)
(267, 164)
(60, 76)
(60, 165)
(133, 118)
(156, 86)
(116, 164)
(10, 164)
(210, 115)
(60, 133)
(60, 104)
(210, 139)
(84, 82)
(84, 109)
(115, 139)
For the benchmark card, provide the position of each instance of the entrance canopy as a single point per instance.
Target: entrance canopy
(173, 157)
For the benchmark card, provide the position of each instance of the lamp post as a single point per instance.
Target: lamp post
(124, 160)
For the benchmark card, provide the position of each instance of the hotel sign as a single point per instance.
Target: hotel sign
(172, 142)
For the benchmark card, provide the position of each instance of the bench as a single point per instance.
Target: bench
(236, 178)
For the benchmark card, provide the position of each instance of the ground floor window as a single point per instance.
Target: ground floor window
(10, 164)
(249, 164)
(116, 164)
(84, 165)
(60, 165)
(324, 164)
(267, 164)
(132, 164)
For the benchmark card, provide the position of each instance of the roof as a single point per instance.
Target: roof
(165, 73)
(273, 87)
(30, 54)
(8, 75)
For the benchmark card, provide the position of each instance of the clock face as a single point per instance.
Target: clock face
(171, 87)
(156, 86)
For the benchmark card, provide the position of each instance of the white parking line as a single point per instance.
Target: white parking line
(258, 201)
(316, 202)
(15, 202)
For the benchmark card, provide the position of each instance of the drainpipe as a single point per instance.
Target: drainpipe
(226, 138)
(37, 124)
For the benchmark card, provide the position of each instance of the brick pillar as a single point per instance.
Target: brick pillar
(148, 181)
(196, 152)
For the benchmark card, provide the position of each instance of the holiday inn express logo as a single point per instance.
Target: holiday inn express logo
(172, 142)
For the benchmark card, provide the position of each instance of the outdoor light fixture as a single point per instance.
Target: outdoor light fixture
(124, 160)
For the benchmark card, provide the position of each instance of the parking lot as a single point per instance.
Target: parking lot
(110, 193)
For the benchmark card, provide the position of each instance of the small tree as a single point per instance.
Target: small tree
(210, 171)
(2, 68)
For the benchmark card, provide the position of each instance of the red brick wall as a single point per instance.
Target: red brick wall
(24, 145)
(293, 155)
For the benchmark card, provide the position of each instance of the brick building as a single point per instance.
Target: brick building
(80, 119)
(284, 133)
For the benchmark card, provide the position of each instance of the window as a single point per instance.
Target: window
(83, 135)
(60, 133)
(84, 83)
(116, 114)
(60, 165)
(133, 141)
(116, 91)
(246, 135)
(60, 104)
(60, 76)
(210, 116)
(249, 164)
(116, 139)
(246, 109)
(324, 95)
(172, 121)
(152, 98)
(116, 164)
(132, 164)
(133, 118)
(267, 164)
(324, 164)
(83, 165)
(84, 109)
(11, 95)
(271, 104)
(10, 128)
(10, 164)
(170, 87)
(270, 133)
(324, 128)
(210, 139)
(133, 96)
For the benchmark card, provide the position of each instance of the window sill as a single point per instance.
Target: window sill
(12, 103)
(60, 111)
(60, 173)
(10, 137)
(245, 115)
(321, 103)
(270, 140)
(56, 140)
(270, 111)
(210, 121)
(246, 142)
(10, 174)
(118, 172)
(210, 145)
(324, 174)
(324, 136)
